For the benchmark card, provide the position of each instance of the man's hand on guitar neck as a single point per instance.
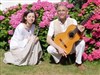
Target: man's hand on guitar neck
(81, 28)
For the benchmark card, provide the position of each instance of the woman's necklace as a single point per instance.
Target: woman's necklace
(27, 27)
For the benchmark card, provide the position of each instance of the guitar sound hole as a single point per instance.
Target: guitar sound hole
(71, 34)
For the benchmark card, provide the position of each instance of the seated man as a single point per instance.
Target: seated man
(60, 25)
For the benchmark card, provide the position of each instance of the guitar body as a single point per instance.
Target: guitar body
(65, 41)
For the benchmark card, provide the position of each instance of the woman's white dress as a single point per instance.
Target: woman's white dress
(23, 51)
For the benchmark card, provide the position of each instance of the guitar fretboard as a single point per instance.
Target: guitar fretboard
(85, 20)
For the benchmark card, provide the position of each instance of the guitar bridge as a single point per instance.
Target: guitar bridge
(63, 43)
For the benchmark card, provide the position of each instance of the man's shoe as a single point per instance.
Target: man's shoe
(80, 66)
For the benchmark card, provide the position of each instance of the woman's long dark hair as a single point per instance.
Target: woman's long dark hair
(25, 15)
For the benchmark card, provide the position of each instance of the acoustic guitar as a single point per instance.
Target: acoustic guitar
(67, 39)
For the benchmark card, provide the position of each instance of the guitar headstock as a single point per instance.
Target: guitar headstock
(96, 11)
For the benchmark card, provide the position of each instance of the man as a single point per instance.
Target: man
(60, 25)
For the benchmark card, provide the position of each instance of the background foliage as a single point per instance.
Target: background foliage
(46, 12)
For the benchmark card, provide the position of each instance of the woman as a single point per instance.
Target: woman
(25, 48)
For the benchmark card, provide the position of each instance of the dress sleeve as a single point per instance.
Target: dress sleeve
(18, 40)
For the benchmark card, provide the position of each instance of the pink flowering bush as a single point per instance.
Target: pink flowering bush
(5, 26)
(92, 32)
(2, 17)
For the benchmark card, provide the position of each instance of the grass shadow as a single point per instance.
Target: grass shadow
(64, 61)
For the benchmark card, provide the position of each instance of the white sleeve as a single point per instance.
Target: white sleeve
(18, 44)
(74, 22)
(18, 40)
(51, 29)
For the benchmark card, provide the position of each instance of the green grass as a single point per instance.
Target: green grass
(45, 68)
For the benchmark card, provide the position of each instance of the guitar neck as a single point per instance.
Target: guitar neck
(85, 20)
(37, 31)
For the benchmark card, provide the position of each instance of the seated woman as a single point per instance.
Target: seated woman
(25, 48)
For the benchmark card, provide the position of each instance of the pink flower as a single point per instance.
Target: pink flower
(92, 41)
(96, 25)
(84, 5)
(9, 41)
(1, 17)
(90, 58)
(10, 32)
(96, 28)
(92, 25)
(66, 4)
(97, 44)
(97, 2)
(25, 6)
(80, 14)
(16, 18)
(44, 23)
(47, 16)
(39, 0)
(11, 8)
(83, 11)
(89, 1)
(85, 56)
(37, 15)
(96, 34)
(86, 47)
(89, 25)
(96, 54)
(70, 5)
(96, 16)
(86, 39)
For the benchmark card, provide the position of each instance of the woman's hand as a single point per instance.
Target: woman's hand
(35, 39)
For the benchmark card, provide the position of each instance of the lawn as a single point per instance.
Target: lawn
(46, 68)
